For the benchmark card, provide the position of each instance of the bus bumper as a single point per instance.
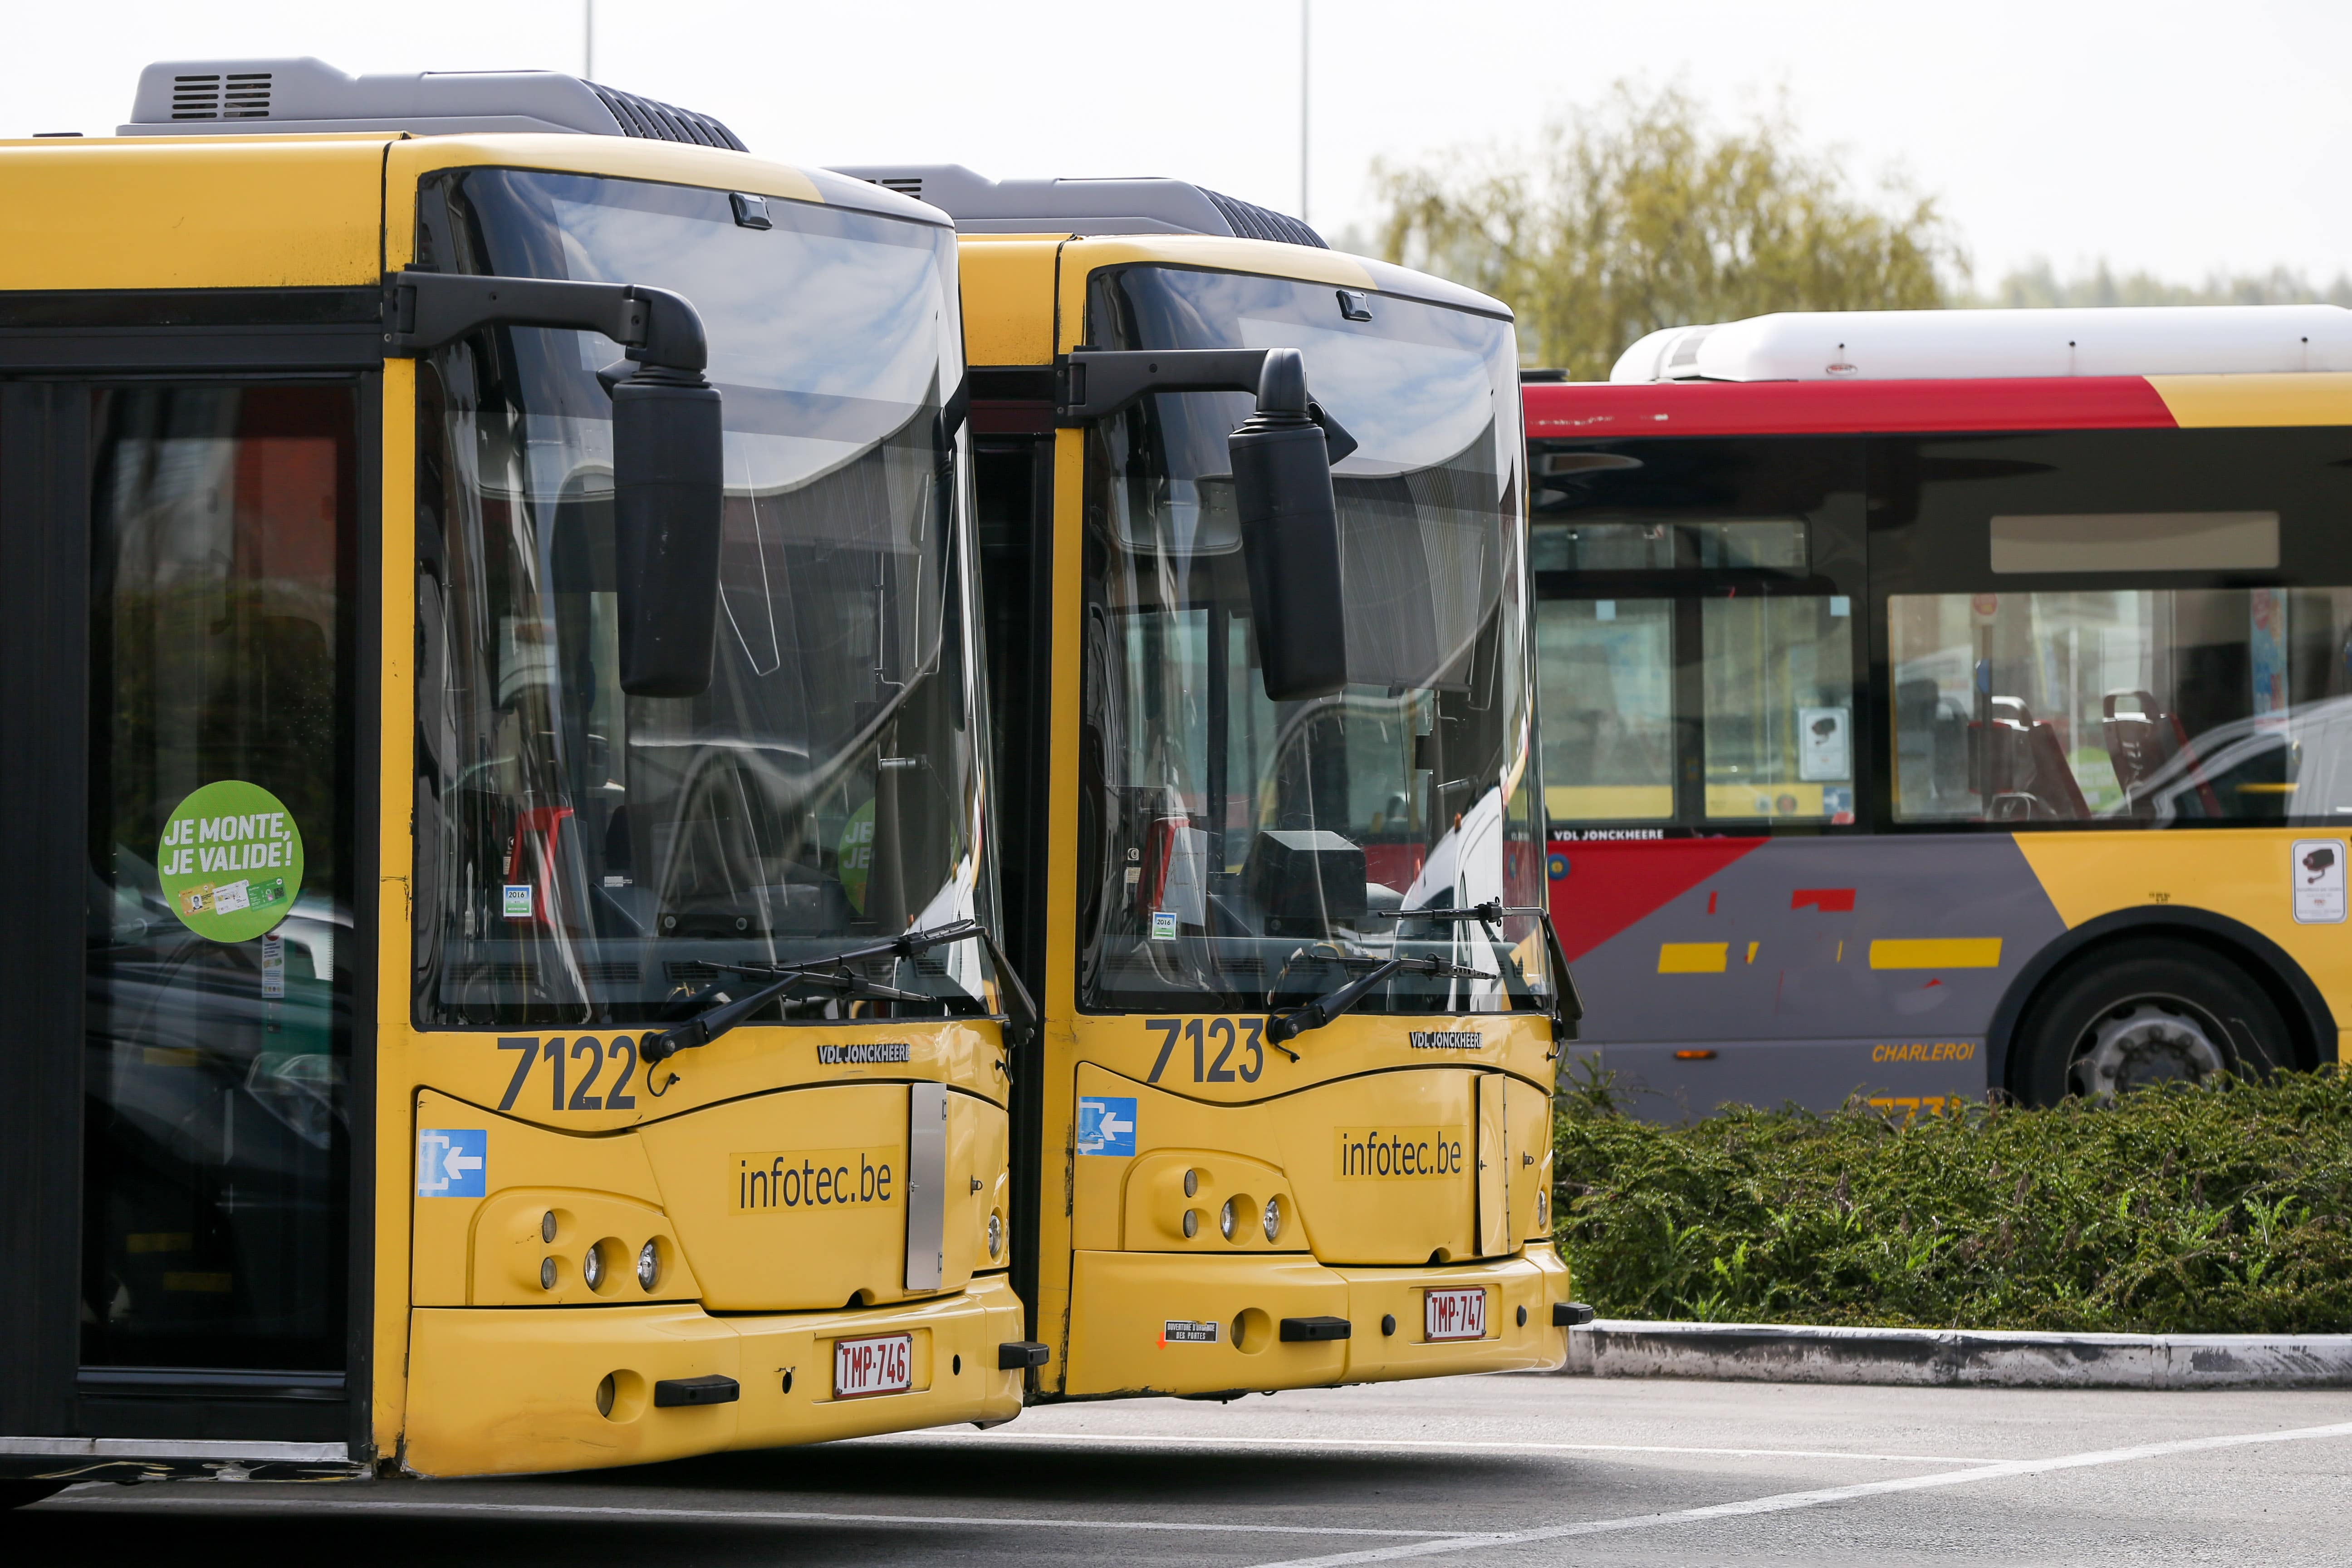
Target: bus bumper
(1139, 1322)
(503, 1391)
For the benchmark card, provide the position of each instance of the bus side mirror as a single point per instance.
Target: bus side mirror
(668, 480)
(1290, 536)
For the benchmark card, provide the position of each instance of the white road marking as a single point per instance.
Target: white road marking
(308, 1500)
(1786, 1501)
(1467, 1443)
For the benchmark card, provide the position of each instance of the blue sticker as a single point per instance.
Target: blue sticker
(1555, 866)
(1106, 1126)
(453, 1162)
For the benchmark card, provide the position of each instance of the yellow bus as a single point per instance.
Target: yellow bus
(1253, 537)
(489, 611)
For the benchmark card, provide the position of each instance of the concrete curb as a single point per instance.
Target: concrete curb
(1780, 1353)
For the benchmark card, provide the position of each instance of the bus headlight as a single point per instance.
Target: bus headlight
(547, 1274)
(592, 1269)
(1225, 1220)
(995, 1234)
(648, 1266)
(1273, 1218)
(1191, 1224)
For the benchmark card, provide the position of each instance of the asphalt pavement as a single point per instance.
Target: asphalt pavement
(1479, 1472)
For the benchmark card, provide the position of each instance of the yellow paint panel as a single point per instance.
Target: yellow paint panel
(1008, 299)
(2320, 397)
(1937, 952)
(1692, 957)
(1764, 799)
(206, 213)
(1610, 803)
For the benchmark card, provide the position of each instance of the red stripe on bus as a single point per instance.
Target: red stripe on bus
(1611, 883)
(1602, 410)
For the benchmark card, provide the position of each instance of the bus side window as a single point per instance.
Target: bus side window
(1779, 684)
(2158, 706)
(1607, 693)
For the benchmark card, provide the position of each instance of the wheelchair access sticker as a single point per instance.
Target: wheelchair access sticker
(453, 1162)
(1105, 1125)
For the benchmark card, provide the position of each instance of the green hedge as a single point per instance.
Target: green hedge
(2217, 1211)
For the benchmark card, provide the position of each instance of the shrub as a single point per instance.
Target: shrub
(2216, 1210)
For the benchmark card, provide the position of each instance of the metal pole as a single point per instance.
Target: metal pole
(1303, 7)
(588, 38)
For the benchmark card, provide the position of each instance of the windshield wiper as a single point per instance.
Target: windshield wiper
(834, 971)
(1289, 1026)
(1566, 1010)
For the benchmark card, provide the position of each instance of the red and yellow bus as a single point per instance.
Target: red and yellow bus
(1938, 702)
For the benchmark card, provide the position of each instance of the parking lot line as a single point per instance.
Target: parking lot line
(1465, 1444)
(1784, 1502)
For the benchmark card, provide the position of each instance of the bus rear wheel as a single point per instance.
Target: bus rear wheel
(2159, 1011)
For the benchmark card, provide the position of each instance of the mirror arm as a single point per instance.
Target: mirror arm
(1096, 383)
(423, 311)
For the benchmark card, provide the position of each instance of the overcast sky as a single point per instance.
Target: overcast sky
(2179, 137)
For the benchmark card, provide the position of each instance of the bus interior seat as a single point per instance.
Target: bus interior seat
(2026, 777)
(2142, 739)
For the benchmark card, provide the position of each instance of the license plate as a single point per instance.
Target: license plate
(883, 1364)
(1454, 1315)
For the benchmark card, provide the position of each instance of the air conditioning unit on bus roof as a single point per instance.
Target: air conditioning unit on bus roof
(242, 97)
(1139, 206)
(1917, 345)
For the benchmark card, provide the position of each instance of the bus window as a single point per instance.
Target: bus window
(1778, 703)
(1606, 670)
(2154, 705)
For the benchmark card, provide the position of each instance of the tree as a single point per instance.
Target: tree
(1642, 215)
(2037, 284)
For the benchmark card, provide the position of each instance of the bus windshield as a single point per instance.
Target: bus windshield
(1242, 853)
(586, 857)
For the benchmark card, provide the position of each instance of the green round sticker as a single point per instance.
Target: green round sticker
(856, 859)
(231, 861)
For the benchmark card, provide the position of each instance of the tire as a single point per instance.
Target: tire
(16, 1494)
(2145, 1012)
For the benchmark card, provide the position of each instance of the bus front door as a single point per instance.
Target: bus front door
(178, 561)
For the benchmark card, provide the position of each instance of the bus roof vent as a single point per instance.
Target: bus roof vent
(1149, 206)
(194, 97)
(1911, 345)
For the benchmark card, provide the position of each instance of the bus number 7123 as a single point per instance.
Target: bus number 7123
(1214, 1042)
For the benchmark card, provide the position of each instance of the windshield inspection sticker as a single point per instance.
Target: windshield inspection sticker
(230, 860)
(453, 1162)
(2319, 879)
(1105, 1125)
(1179, 1331)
